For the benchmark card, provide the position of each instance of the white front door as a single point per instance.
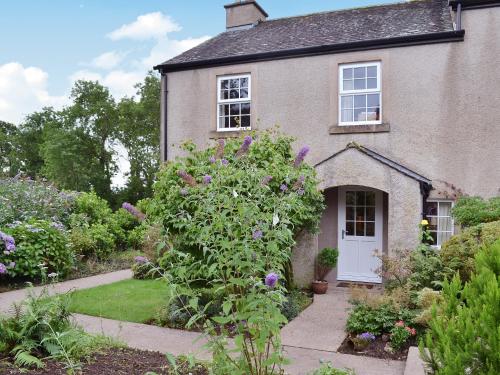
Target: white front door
(360, 222)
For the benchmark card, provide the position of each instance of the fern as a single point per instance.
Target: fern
(26, 359)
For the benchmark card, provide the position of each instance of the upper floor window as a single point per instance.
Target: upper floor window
(438, 214)
(360, 94)
(233, 102)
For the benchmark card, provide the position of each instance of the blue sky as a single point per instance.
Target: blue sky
(46, 44)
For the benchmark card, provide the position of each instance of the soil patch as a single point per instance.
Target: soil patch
(376, 349)
(112, 362)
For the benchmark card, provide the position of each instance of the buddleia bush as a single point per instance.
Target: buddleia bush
(464, 335)
(242, 199)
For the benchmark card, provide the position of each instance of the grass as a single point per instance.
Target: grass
(129, 300)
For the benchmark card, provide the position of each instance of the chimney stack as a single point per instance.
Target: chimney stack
(244, 14)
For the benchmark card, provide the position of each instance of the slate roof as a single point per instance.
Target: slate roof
(383, 22)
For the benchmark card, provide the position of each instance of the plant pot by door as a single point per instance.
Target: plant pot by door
(319, 287)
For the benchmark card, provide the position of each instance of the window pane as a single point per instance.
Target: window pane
(433, 222)
(244, 93)
(233, 94)
(235, 122)
(224, 84)
(370, 213)
(373, 100)
(431, 208)
(359, 101)
(434, 238)
(224, 110)
(371, 71)
(348, 85)
(347, 73)
(221, 122)
(349, 228)
(346, 102)
(372, 83)
(373, 114)
(359, 84)
(244, 82)
(444, 208)
(224, 94)
(349, 213)
(347, 115)
(360, 72)
(235, 109)
(360, 198)
(245, 121)
(245, 108)
(360, 213)
(350, 198)
(444, 224)
(370, 229)
(234, 83)
(360, 114)
(370, 198)
(360, 228)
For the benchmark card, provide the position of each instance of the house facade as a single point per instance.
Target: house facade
(398, 103)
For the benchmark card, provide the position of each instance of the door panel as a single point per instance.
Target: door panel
(360, 221)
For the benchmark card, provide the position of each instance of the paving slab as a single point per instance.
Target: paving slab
(322, 325)
(146, 337)
(414, 364)
(7, 299)
(304, 361)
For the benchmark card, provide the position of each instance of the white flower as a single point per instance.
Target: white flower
(235, 194)
(52, 275)
(276, 219)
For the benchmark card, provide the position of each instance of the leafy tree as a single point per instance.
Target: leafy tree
(139, 133)
(9, 148)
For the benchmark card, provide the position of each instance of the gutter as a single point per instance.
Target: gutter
(404, 41)
(477, 4)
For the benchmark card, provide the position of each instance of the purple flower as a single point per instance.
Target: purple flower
(207, 179)
(300, 156)
(266, 180)
(224, 162)
(283, 187)
(212, 159)
(247, 141)
(9, 243)
(3, 269)
(186, 177)
(141, 260)
(10, 247)
(57, 225)
(271, 279)
(257, 234)
(300, 192)
(184, 192)
(133, 211)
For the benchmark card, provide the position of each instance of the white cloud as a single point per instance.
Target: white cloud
(146, 26)
(24, 90)
(108, 60)
(167, 48)
(119, 82)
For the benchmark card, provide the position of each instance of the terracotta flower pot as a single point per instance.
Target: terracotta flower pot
(319, 287)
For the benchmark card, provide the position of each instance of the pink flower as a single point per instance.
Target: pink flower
(400, 324)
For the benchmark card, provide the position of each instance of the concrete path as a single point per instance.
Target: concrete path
(17, 296)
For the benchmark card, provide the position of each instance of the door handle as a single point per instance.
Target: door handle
(343, 233)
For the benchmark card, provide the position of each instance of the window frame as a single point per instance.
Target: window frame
(233, 101)
(437, 216)
(343, 92)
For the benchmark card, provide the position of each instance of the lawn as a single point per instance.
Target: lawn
(129, 300)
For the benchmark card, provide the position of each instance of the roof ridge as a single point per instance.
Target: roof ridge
(402, 2)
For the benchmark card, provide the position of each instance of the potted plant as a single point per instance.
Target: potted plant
(326, 260)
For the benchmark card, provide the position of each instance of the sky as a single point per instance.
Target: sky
(45, 45)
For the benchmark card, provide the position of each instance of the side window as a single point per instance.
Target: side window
(233, 102)
(360, 94)
(438, 214)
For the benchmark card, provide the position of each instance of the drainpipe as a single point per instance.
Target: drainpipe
(163, 118)
(459, 16)
(425, 191)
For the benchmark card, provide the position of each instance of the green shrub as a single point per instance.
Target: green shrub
(96, 209)
(426, 269)
(327, 259)
(22, 200)
(470, 211)
(464, 335)
(95, 240)
(121, 223)
(400, 334)
(294, 303)
(41, 328)
(38, 242)
(457, 254)
(328, 369)
(376, 319)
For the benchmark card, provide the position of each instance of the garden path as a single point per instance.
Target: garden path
(17, 296)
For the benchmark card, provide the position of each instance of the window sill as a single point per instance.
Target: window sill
(214, 134)
(349, 129)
